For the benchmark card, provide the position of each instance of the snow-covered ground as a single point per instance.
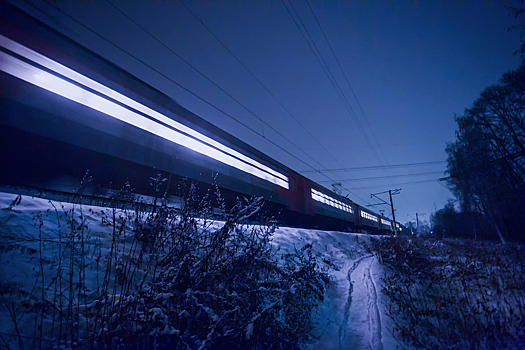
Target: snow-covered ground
(352, 315)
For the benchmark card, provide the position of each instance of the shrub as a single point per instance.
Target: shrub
(166, 277)
(455, 294)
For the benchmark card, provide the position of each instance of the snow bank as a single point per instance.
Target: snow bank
(352, 315)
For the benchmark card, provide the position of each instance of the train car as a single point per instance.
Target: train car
(386, 224)
(64, 110)
(370, 219)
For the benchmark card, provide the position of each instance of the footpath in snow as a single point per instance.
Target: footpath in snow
(352, 315)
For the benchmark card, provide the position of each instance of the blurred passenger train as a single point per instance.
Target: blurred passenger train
(65, 109)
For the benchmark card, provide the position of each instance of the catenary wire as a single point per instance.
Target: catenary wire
(184, 88)
(381, 167)
(257, 79)
(263, 86)
(330, 77)
(398, 184)
(324, 67)
(390, 176)
(317, 53)
(178, 84)
(353, 93)
(380, 153)
(217, 86)
(211, 81)
(346, 79)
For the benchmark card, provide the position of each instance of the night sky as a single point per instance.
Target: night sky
(408, 66)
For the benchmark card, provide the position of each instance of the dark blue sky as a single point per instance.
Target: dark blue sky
(410, 64)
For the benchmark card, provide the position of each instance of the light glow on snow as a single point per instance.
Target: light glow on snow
(197, 142)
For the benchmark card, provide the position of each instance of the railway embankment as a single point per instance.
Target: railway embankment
(88, 276)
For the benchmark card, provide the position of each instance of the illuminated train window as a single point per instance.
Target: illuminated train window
(368, 216)
(386, 222)
(77, 87)
(323, 198)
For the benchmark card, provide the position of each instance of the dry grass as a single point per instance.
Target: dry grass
(455, 294)
(163, 278)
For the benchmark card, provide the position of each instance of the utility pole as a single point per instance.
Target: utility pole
(390, 193)
(392, 206)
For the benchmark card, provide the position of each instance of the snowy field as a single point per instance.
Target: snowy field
(352, 315)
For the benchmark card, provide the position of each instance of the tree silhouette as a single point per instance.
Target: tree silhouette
(486, 163)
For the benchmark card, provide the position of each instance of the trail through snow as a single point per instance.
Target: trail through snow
(344, 324)
(374, 316)
(361, 327)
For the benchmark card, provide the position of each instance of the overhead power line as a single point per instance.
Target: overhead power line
(184, 88)
(346, 78)
(227, 94)
(354, 94)
(55, 21)
(262, 85)
(176, 83)
(390, 176)
(388, 169)
(319, 57)
(256, 79)
(397, 184)
(317, 53)
(377, 167)
(221, 89)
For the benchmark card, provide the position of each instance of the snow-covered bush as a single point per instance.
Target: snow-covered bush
(163, 277)
(455, 294)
